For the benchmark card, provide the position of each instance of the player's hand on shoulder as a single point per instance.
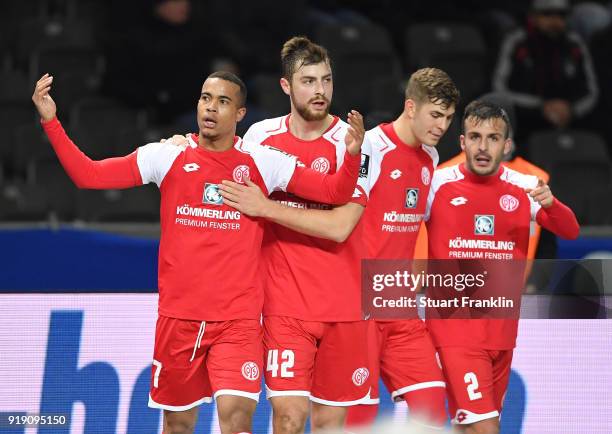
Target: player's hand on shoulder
(355, 133)
(542, 194)
(177, 140)
(42, 100)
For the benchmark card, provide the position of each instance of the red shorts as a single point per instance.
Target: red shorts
(476, 380)
(405, 357)
(326, 361)
(194, 361)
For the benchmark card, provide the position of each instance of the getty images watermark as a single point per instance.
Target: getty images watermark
(481, 288)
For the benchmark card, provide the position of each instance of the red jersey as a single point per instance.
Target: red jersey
(208, 253)
(399, 179)
(310, 278)
(485, 217)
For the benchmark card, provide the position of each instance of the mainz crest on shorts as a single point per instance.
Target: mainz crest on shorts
(250, 371)
(360, 376)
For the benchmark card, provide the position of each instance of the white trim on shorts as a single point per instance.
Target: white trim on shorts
(396, 396)
(250, 395)
(474, 417)
(198, 341)
(370, 401)
(276, 393)
(342, 403)
(205, 400)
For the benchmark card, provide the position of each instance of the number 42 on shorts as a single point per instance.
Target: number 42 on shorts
(286, 362)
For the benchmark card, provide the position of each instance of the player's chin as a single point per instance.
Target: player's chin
(432, 139)
(209, 133)
(316, 115)
(431, 142)
(484, 170)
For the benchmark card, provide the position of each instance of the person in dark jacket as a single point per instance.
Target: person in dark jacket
(546, 70)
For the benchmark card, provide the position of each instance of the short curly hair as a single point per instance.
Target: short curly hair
(432, 85)
(299, 51)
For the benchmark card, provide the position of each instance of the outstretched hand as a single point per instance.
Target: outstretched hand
(355, 133)
(42, 100)
(541, 194)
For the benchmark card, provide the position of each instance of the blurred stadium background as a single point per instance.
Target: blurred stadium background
(125, 76)
(78, 268)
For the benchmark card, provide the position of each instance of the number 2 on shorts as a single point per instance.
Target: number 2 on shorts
(472, 389)
(288, 360)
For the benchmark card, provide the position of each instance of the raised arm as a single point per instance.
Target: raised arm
(335, 224)
(119, 172)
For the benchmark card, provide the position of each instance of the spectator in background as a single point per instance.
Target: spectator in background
(158, 53)
(546, 70)
(602, 53)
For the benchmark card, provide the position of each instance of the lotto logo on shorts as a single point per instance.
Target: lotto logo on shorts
(360, 376)
(461, 416)
(250, 371)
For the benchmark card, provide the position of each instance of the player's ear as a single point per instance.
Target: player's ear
(410, 107)
(507, 146)
(462, 142)
(240, 114)
(285, 86)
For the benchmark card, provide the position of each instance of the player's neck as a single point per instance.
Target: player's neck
(308, 130)
(219, 144)
(403, 128)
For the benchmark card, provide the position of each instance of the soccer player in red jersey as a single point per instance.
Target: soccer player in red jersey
(312, 308)
(491, 206)
(208, 341)
(398, 161)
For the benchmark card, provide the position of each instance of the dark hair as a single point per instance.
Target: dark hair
(484, 110)
(432, 85)
(299, 51)
(233, 78)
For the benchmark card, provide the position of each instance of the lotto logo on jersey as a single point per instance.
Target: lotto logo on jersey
(508, 203)
(484, 224)
(412, 198)
(240, 172)
(320, 164)
(211, 195)
(459, 200)
(365, 166)
(191, 167)
(360, 376)
(250, 371)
